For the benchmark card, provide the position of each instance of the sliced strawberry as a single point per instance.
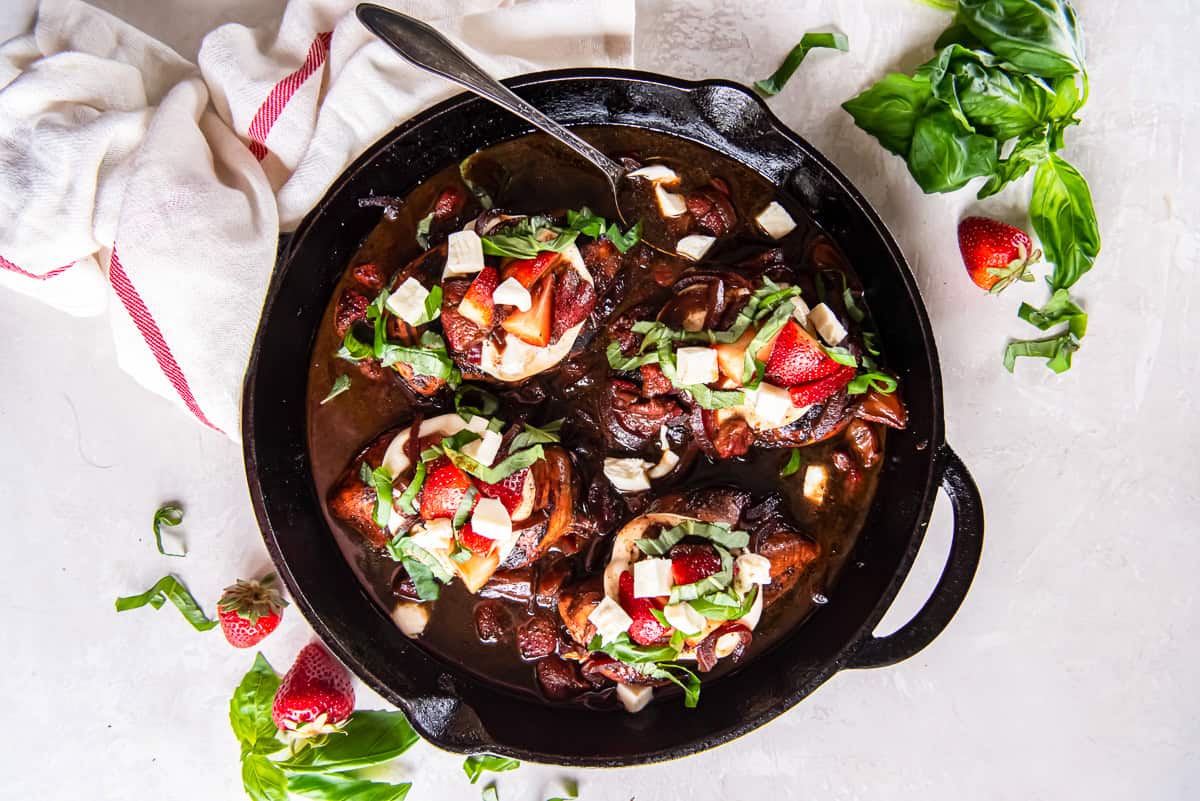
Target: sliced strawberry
(796, 358)
(533, 326)
(528, 271)
(477, 305)
(645, 628)
(443, 490)
(822, 388)
(475, 543)
(508, 491)
(690, 563)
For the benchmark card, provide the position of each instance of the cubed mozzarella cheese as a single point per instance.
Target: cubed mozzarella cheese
(512, 293)
(684, 618)
(772, 404)
(651, 578)
(484, 449)
(694, 246)
(477, 424)
(609, 619)
(801, 311)
(827, 324)
(751, 569)
(490, 519)
(627, 475)
(670, 203)
(634, 697)
(775, 221)
(464, 254)
(696, 365)
(657, 173)
(665, 464)
(434, 535)
(815, 479)
(408, 301)
(411, 618)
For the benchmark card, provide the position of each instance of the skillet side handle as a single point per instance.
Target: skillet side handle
(966, 547)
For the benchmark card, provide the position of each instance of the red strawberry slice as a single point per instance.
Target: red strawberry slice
(822, 388)
(645, 628)
(508, 491)
(528, 271)
(533, 326)
(690, 563)
(477, 305)
(443, 490)
(995, 253)
(796, 358)
(475, 543)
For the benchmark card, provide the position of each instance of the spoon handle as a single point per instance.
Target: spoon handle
(424, 47)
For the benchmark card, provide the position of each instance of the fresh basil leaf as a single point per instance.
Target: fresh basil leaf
(250, 709)
(464, 508)
(707, 398)
(1055, 350)
(370, 737)
(354, 350)
(795, 460)
(476, 765)
(709, 584)
(423, 361)
(841, 356)
(624, 242)
(492, 475)
(1060, 308)
(407, 501)
(340, 385)
(689, 683)
(624, 650)
(1035, 36)
(944, 155)
(379, 479)
(1030, 150)
(523, 240)
(169, 588)
(490, 793)
(880, 382)
(262, 780)
(586, 223)
(422, 234)
(487, 404)
(809, 41)
(167, 515)
(617, 361)
(426, 584)
(1065, 220)
(717, 611)
(433, 306)
(532, 435)
(340, 787)
(941, 5)
(890, 109)
(986, 98)
(403, 549)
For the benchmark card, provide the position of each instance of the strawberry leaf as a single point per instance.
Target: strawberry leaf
(250, 709)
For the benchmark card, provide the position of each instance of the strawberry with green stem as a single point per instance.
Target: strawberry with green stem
(315, 698)
(250, 610)
(995, 254)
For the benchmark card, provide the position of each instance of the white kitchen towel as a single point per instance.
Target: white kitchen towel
(126, 171)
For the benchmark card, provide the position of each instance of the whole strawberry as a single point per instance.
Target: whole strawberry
(995, 253)
(316, 696)
(250, 610)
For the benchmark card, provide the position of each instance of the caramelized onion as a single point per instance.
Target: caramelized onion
(706, 652)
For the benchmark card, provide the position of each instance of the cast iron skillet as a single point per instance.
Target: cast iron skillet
(447, 706)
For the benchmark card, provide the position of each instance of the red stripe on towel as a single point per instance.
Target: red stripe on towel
(273, 106)
(153, 335)
(8, 265)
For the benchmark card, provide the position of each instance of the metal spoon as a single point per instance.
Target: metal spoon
(424, 47)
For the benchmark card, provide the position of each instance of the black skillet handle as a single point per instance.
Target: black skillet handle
(965, 549)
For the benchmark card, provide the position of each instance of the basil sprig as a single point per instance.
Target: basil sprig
(169, 588)
(811, 40)
(1009, 76)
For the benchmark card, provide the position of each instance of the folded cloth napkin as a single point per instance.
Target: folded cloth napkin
(127, 170)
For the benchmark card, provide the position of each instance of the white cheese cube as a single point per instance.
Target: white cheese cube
(651, 578)
(696, 365)
(801, 312)
(484, 449)
(490, 519)
(634, 697)
(411, 618)
(751, 569)
(512, 293)
(775, 221)
(477, 424)
(663, 442)
(684, 618)
(695, 246)
(656, 173)
(408, 301)
(827, 324)
(669, 203)
(665, 464)
(627, 475)
(815, 479)
(464, 254)
(434, 535)
(772, 404)
(609, 619)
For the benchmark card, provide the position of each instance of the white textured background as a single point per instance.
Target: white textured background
(1069, 673)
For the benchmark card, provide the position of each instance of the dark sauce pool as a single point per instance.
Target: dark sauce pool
(533, 174)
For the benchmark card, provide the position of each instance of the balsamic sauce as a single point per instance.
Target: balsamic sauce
(533, 174)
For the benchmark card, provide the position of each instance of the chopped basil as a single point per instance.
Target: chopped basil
(167, 515)
(653, 661)
(570, 791)
(493, 475)
(353, 350)
(773, 85)
(711, 608)
(689, 683)
(623, 242)
(380, 479)
(661, 617)
(422, 567)
(423, 230)
(423, 362)
(475, 766)
(1060, 308)
(852, 308)
(340, 385)
(663, 543)
(524, 240)
(464, 508)
(719, 533)
(624, 650)
(1055, 350)
(408, 499)
(433, 306)
(617, 361)
(707, 398)
(793, 463)
(487, 406)
(880, 382)
(532, 435)
(490, 793)
(169, 588)
(841, 356)
(709, 584)
(460, 555)
(586, 222)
